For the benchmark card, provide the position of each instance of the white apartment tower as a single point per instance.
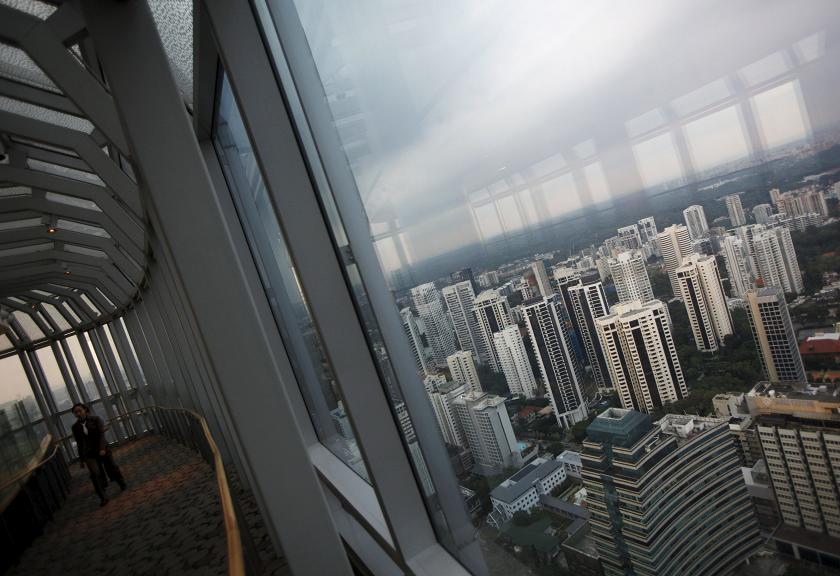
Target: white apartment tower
(439, 331)
(541, 277)
(462, 368)
(737, 259)
(774, 335)
(775, 260)
(702, 294)
(735, 210)
(647, 229)
(488, 431)
(588, 303)
(640, 354)
(695, 219)
(442, 401)
(492, 314)
(762, 212)
(630, 276)
(460, 299)
(513, 359)
(674, 245)
(415, 339)
(552, 344)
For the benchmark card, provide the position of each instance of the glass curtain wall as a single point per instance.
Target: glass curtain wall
(499, 149)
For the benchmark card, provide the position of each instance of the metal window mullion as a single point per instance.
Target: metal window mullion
(129, 362)
(166, 394)
(74, 370)
(69, 381)
(286, 178)
(182, 385)
(351, 209)
(44, 387)
(85, 341)
(35, 385)
(137, 335)
(174, 313)
(110, 374)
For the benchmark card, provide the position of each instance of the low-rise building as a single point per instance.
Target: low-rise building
(571, 463)
(521, 492)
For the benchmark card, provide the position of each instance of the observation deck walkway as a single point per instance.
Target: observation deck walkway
(169, 520)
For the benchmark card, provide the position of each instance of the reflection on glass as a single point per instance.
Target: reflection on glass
(315, 376)
(17, 403)
(83, 368)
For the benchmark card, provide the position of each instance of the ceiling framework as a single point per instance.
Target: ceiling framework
(73, 246)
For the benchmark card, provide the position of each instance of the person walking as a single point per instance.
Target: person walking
(94, 454)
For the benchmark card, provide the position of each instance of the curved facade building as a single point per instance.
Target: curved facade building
(666, 497)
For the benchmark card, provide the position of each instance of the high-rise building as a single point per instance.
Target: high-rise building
(460, 300)
(514, 362)
(813, 201)
(735, 210)
(632, 240)
(695, 220)
(799, 430)
(667, 498)
(640, 355)
(464, 275)
(493, 314)
(588, 303)
(629, 273)
(737, 259)
(565, 278)
(488, 431)
(761, 212)
(746, 234)
(776, 260)
(442, 401)
(415, 340)
(462, 368)
(647, 230)
(541, 278)
(774, 335)
(559, 367)
(675, 243)
(702, 294)
(439, 332)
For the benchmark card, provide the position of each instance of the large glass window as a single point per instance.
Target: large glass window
(17, 403)
(82, 366)
(517, 146)
(55, 380)
(318, 383)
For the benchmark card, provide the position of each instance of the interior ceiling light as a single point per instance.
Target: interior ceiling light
(51, 229)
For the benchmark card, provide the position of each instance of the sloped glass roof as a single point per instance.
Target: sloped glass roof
(15, 192)
(30, 249)
(85, 251)
(66, 172)
(32, 332)
(56, 317)
(40, 9)
(82, 228)
(17, 224)
(174, 21)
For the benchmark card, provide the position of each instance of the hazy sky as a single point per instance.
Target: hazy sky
(459, 96)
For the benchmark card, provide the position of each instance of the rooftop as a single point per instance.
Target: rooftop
(515, 486)
(821, 344)
(803, 391)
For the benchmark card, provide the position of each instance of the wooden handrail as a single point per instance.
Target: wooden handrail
(236, 559)
(35, 462)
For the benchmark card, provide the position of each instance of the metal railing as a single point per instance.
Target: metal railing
(29, 499)
(52, 475)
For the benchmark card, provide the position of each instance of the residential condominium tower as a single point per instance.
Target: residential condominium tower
(735, 210)
(488, 431)
(630, 276)
(415, 339)
(776, 260)
(674, 244)
(737, 259)
(462, 368)
(695, 220)
(552, 345)
(514, 362)
(588, 303)
(492, 314)
(460, 300)
(640, 355)
(774, 335)
(702, 294)
(668, 498)
(439, 331)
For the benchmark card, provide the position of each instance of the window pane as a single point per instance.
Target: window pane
(55, 381)
(119, 367)
(96, 360)
(83, 368)
(315, 376)
(17, 403)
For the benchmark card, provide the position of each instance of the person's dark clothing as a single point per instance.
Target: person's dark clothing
(90, 440)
